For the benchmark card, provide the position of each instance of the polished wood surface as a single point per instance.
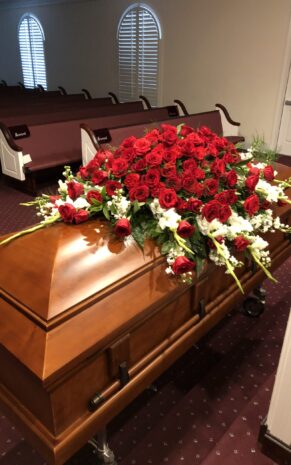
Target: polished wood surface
(75, 303)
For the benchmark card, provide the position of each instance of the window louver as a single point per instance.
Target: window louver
(31, 39)
(138, 41)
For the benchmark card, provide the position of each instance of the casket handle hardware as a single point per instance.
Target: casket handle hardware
(123, 374)
(202, 311)
(94, 403)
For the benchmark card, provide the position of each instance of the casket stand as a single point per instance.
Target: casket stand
(87, 323)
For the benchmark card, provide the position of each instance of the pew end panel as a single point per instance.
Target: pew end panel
(13, 157)
(230, 127)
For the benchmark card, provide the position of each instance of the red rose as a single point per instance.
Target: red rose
(169, 170)
(181, 205)
(182, 265)
(94, 195)
(229, 197)
(139, 193)
(185, 229)
(187, 147)
(224, 212)
(188, 181)
(155, 191)
(131, 180)
(210, 210)
(139, 165)
(67, 212)
(231, 178)
(253, 170)
(167, 198)
(54, 198)
(122, 227)
(199, 173)
(186, 130)
(252, 204)
(200, 153)
(228, 158)
(99, 177)
(154, 158)
(171, 154)
(153, 136)
(92, 166)
(103, 155)
(81, 216)
(197, 189)
(83, 172)
(169, 134)
(210, 186)
(75, 189)
(251, 182)
(189, 165)
(128, 142)
(119, 167)
(142, 146)
(241, 243)
(174, 182)
(152, 177)
(218, 167)
(112, 186)
(194, 205)
(269, 173)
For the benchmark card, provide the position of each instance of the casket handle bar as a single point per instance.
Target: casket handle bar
(202, 311)
(123, 374)
(94, 403)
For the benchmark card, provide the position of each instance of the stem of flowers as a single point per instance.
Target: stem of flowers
(285, 199)
(45, 223)
(226, 261)
(267, 272)
(285, 184)
(181, 242)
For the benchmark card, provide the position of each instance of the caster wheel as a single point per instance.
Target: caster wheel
(253, 307)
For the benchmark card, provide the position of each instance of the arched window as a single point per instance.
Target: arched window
(139, 35)
(31, 44)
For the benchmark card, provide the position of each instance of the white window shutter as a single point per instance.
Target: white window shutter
(31, 44)
(138, 43)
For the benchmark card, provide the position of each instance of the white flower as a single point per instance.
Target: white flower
(238, 225)
(214, 227)
(169, 219)
(272, 192)
(156, 208)
(81, 202)
(63, 188)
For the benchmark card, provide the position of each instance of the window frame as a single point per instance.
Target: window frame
(138, 6)
(39, 25)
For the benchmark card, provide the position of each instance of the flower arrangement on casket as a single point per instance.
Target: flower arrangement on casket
(190, 191)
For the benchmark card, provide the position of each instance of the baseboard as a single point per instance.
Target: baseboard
(273, 447)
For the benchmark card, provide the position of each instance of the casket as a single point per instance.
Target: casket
(88, 322)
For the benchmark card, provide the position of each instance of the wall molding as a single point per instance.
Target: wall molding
(10, 4)
(273, 447)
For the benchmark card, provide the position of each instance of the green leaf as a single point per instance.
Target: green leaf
(106, 213)
(166, 247)
(138, 235)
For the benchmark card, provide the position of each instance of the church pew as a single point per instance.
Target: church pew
(211, 119)
(69, 112)
(44, 146)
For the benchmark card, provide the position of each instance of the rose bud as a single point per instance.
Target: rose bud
(67, 212)
(122, 227)
(241, 243)
(94, 195)
(185, 229)
(251, 204)
(75, 189)
(182, 265)
(269, 173)
(81, 216)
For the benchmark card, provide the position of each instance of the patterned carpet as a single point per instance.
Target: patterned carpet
(207, 408)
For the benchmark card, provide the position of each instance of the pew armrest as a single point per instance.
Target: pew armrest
(89, 143)
(11, 155)
(230, 127)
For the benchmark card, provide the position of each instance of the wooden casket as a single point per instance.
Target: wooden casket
(87, 323)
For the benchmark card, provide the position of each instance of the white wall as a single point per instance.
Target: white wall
(227, 51)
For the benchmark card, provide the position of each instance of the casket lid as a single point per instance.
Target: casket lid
(68, 290)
